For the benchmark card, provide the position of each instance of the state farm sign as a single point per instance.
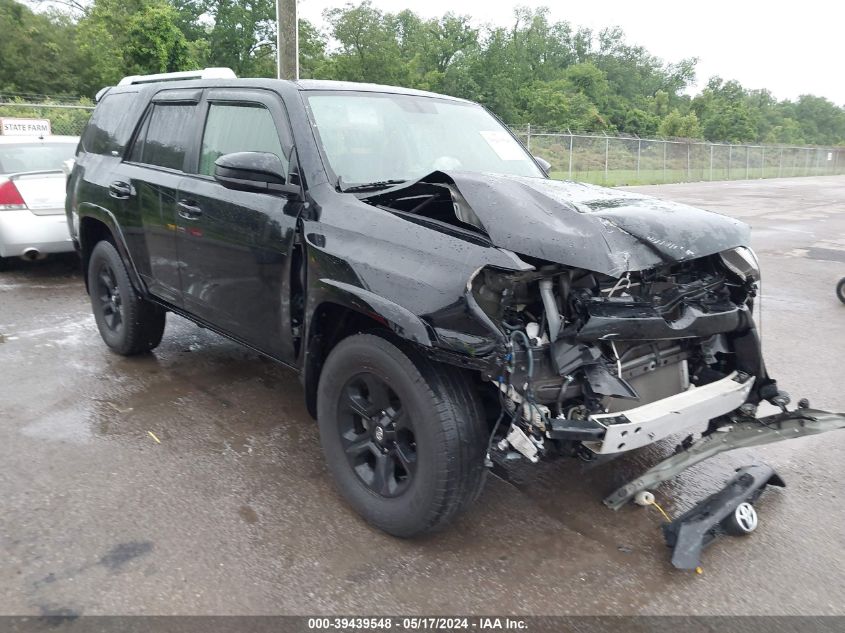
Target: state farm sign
(24, 127)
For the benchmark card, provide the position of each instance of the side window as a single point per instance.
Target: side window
(106, 132)
(238, 128)
(137, 152)
(164, 136)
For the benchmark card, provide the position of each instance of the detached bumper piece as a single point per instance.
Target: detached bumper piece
(774, 428)
(693, 531)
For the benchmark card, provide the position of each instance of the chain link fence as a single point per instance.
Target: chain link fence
(65, 118)
(596, 158)
(618, 160)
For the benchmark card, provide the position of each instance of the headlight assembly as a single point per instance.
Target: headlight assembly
(743, 262)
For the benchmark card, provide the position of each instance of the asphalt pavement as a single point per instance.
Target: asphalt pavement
(190, 480)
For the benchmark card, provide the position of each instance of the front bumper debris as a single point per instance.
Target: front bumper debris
(692, 531)
(691, 409)
(774, 428)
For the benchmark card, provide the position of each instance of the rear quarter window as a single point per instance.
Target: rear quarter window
(108, 131)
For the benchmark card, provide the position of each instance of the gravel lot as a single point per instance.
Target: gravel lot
(233, 511)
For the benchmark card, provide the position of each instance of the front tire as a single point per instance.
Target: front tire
(128, 323)
(840, 290)
(404, 438)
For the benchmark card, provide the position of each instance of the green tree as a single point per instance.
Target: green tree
(587, 79)
(553, 104)
(312, 50)
(821, 120)
(787, 131)
(243, 36)
(368, 46)
(154, 44)
(659, 104)
(121, 37)
(533, 70)
(641, 123)
(37, 51)
(724, 112)
(676, 125)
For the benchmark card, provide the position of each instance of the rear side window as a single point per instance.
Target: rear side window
(107, 131)
(238, 128)
(164, 135)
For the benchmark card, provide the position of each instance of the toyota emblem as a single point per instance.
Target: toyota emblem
(746, 517)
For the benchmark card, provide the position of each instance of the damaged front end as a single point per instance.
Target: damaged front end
(593, 364)
(630, 321)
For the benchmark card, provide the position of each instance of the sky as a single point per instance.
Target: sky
(789, 49)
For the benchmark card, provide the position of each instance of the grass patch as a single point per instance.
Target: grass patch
(623, 177)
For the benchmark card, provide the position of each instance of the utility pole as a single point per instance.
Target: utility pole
(287, 40)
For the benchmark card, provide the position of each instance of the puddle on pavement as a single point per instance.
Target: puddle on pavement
(67, 425)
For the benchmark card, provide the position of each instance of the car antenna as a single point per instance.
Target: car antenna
(339, 183)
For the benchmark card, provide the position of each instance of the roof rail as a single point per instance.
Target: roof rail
(205, 73)
(101, 93)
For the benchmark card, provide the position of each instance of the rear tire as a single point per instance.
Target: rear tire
(840, 290)
(404, 438)
(128, 323)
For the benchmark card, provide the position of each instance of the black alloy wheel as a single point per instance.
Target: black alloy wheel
(108, 294)
(377, 433)
(128, 323)
(404, 437)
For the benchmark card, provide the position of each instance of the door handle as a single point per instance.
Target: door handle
(120, 190)
(188, 209)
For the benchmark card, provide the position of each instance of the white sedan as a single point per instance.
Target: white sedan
(32, 196)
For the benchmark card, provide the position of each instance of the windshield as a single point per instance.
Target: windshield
(374, 137)
(18, 157)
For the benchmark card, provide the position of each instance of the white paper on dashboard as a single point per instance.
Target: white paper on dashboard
(503, 144)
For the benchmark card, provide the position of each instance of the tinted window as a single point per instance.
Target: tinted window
(138, 146)
(164, 136)
(107, 130)
(238, 128)
(18, 157)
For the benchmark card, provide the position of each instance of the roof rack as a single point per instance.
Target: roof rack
(205, 73)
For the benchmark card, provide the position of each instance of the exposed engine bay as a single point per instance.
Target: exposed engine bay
(603, 365)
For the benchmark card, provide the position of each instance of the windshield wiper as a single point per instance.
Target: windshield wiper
(372, 186)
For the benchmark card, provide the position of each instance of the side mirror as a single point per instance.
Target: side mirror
(260, 172)
(545, 165)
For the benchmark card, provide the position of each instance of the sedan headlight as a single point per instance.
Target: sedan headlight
(743, 262)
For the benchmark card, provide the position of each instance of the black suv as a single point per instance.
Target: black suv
(447, 305)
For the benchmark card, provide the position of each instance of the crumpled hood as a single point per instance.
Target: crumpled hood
(596, 228)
